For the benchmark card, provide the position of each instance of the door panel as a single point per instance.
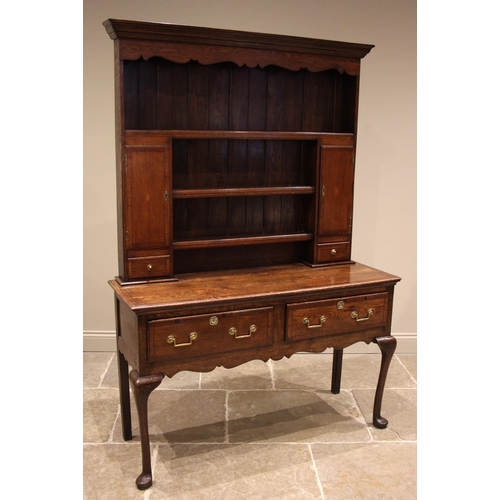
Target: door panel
(147, 181)
(147, 209)
(336, 190)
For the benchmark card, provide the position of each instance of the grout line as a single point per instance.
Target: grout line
(251, 443)
(226, 421)
(122, 443)
(361, 418)
(406, 369)
(113, 427)
(262, 389)
(366, 424)
(369, 429)
(271, 373)
(103, 375)
(249, 389)
(316, 473)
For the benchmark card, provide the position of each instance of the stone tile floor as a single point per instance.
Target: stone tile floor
(259, 431)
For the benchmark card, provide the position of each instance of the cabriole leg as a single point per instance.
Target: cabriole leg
(387, 347)
(142, 387)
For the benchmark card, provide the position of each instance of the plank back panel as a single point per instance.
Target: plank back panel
(160, 95)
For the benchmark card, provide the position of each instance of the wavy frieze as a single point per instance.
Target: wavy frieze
(183, 53)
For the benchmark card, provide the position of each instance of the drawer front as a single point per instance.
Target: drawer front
(334, 252)
(149, 267)
(329, 317)
(188, 336)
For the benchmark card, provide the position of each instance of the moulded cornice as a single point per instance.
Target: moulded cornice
(146, 39)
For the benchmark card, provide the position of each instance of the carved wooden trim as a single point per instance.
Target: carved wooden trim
(209, 46)
(209, 363)
(177, 53)
(166, 32)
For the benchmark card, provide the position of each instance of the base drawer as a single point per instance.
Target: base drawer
(327, 317)
(188, 336)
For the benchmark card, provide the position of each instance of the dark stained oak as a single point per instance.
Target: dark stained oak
(338, 355)
(208, 37)
(160, 136)
(210, 46)
(387, 347)
(227, 318)
(142, 388)
(213, 288)
(231, 192)
(241, 241)
(235, 160)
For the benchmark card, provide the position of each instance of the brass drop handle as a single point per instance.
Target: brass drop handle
(234, 332)
(354, 315)
(322, 319)
(192, 336)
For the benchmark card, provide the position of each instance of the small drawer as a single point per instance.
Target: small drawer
(189, 336)
(149, 267)
(333, 252)
(329, 317)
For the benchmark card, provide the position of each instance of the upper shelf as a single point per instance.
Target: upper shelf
(238, 192)
(159, 137)
(180, 44)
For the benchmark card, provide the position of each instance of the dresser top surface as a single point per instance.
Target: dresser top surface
(219, 287)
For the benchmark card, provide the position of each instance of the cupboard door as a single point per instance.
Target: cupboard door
(147, 227)
(336, 190)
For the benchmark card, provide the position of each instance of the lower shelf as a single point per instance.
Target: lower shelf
(244, 241)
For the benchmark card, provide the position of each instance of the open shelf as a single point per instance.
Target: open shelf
(162, 94)
(233, 192)
(240, 189)
(140, 136)
(243, 241)
(229, 167)
(246, 134)
(233, 159)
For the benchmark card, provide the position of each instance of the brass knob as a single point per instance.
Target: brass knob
(149, 267)
(333, 252)
(214, 320)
